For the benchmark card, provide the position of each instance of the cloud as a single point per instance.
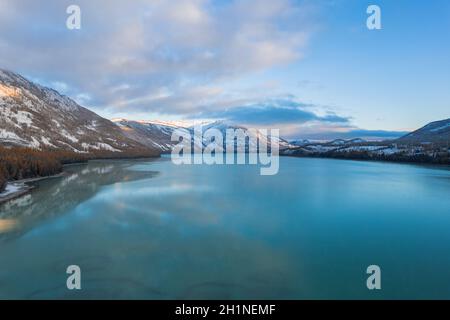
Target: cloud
(317, 130)
(297, 120)
(273, 112)
(144, 47)
(374, 134)
(371, 135)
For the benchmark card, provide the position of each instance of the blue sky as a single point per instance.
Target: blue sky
(310, 68)
(396, 78)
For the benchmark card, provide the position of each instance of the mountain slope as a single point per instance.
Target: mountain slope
(223, 126)
(152, 134)
(158, 134)
(35, 116)
(429, 144)
(434, 132)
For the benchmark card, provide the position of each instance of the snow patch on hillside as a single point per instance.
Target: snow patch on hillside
(99, 146)
(9, 135)
(445, 126)
(24, 117)
(69, 136)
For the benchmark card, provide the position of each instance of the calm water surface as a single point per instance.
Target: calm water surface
(153, 230)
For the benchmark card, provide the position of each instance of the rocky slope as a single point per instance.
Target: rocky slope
(154, 134)
(158, 134)
(35, 116)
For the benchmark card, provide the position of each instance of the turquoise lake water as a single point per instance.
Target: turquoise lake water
(154, 230)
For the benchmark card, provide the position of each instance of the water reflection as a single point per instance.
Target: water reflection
(224, 232)
(7, 225)
(55, 196)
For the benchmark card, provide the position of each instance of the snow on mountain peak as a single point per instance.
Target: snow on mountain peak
(35, 116)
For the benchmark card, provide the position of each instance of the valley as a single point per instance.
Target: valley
(41, 130)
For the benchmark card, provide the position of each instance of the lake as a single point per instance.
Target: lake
(153, 230)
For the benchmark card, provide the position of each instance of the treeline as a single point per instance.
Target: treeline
(2, 178)
(23, 163)
(436, 158)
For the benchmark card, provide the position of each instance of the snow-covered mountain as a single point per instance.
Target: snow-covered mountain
(434, 132)
(35, 116)
(342, 142)
(300, 142)
(158, 133)
(155, 134)
(429, 144)
(254, 135)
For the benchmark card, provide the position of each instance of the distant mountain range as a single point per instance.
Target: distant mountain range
(35, 116)
(429, 144)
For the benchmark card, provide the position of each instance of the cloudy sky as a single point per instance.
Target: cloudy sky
(310, 68)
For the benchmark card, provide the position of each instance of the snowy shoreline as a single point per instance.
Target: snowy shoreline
(15, 189)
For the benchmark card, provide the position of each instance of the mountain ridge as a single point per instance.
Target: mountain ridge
(35, 116)
(158, 133)
(433, 132)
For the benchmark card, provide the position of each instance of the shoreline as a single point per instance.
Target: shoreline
(370, 159)
(23, 187)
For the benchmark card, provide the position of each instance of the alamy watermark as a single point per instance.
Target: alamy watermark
(74, 280)
(374, 20)
(374, 280)
(73, 21)
(234, 146)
